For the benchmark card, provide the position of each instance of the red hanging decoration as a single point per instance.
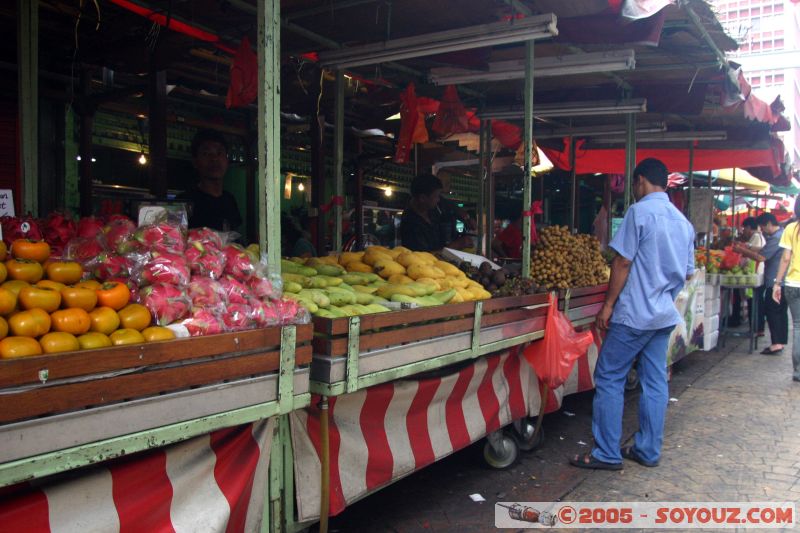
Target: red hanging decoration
(243, 88)
(452, 115)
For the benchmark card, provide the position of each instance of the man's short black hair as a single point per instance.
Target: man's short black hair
(750, 222)
(208, 136)
(425, 184)
(767, 218)
(653, 171)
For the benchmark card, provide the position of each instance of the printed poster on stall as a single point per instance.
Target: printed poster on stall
(687, 337)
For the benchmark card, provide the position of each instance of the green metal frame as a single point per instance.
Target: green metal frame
(28, 84)
(354, 381)
(95, 452)
(527, 136)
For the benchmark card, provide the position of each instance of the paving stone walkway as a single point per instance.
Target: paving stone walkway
(732, 435)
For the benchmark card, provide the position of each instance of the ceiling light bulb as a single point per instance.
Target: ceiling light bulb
(142, 159)
(301, 187)
(387, 191)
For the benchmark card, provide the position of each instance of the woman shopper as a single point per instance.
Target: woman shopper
(789, 277)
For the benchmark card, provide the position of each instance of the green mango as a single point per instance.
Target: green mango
(344, 287)
(332, 281)
(303, 281)
(318, 282)
(363, 298)
(404, 299)
(291, 286)
(376, 308)
(305, 302)
(444, 296)
(354, 278)
(326, 313)
(339, 298)
(365, 289)
(325, 269)
(318, 296)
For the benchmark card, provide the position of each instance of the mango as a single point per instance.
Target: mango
(417, 271)
(448, 268)
(291, 287)
(386, 269)
(399, 279)
(358, 266)
(350, 257)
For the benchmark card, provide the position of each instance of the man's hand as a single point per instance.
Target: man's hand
(776, 293)
(603, 317)
(739, 247)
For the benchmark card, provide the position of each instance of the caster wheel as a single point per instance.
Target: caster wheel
(505, 457)
(632, 381)
(523, 434)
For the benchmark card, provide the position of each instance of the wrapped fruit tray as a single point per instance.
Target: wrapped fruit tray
(376, 343)
(95, 394)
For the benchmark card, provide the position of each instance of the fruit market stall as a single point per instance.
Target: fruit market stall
(429, 336)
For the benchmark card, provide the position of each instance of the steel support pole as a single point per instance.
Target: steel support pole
(527, 146)
(338, 161)
(480, 213)
(630, 156)
(86, 112)
(691, 179)
(733, 205)
(28, 85)
(269, 131)
(158, 130)
(573, 187)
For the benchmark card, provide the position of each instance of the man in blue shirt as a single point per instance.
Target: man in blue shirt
(655, 257)
(770, 254)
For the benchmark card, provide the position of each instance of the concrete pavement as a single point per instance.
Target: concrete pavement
(732, 435)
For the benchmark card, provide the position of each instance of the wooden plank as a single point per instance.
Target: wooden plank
(338, 346)
(514, 315)
(583, 300)
(304, 333)
(583, 291)
(338, 326)
(514, 301)
(61, 398)
(87, 362)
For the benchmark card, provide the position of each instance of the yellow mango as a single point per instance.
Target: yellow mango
(430, 281)
(358, 266)
(448, 268)
(401, 250)
(349, 257)
(417, 271)
(465, 294)
(372, 257)
(389, 268)
(399, 279)
(427, 257)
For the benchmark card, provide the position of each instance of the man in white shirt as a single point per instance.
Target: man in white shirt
(755, 240)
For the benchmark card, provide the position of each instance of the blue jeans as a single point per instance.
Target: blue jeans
(620, 347)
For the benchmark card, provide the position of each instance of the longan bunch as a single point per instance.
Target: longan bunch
(562, 260)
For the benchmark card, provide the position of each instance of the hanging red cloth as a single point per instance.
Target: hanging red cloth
(409, 118)
(452, 115)
(243, 88)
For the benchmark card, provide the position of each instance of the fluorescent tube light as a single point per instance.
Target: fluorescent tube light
(544, 67)
(570, 109)
(672, 136)
(598, 131)
(527, 29)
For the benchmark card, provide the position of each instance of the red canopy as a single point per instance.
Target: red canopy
(612, 160)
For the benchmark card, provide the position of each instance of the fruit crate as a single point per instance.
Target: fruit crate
(582, 304)
(371, 349)
(55, 401)
(741, 280)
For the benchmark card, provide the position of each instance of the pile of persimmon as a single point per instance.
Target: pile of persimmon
(46, 308)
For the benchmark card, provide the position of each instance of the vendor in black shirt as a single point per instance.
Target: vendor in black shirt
(212, 206)
(421, 225)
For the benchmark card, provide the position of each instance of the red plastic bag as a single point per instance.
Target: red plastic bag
(731, 259)
(243, 88)
(554, 356)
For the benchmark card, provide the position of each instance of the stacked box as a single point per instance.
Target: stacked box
(713, 301)
(710, 341)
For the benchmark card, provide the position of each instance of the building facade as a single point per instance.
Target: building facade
(768, 32)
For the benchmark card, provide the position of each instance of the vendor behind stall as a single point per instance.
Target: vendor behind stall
(212, 206)
(421, 228)
(450, 213)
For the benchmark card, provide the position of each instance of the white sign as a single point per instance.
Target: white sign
(7, 202)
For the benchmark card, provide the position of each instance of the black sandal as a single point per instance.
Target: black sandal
(767, 351)
(629, 452)
(588, 461)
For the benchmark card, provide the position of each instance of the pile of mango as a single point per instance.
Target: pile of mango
(358, 283)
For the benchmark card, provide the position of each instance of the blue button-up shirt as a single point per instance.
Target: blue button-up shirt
(659, 242)
(771, 252)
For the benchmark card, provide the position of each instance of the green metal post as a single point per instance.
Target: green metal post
(528, 147)
(286, 370)
(338, 161)
(630, 156)
(573, 187)
(288, 472)
(275, 486)
(480, 212)
(691, 179)
(353, 333)
(269, 130)
(28, 85)
(476, 326)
